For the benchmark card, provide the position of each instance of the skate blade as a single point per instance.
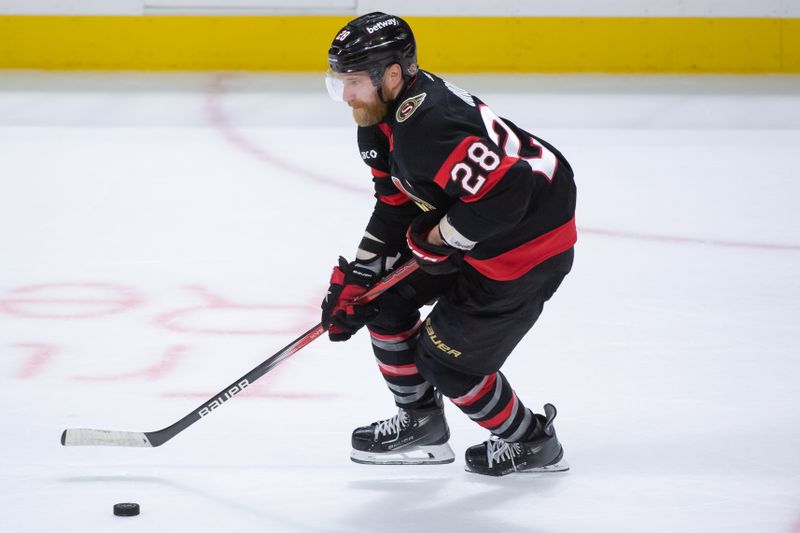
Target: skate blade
(418, 455)
(561, 466)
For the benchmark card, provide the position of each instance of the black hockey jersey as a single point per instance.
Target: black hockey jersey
(507, 197)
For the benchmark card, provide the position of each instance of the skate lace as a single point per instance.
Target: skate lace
(498, 450)
(392, 425)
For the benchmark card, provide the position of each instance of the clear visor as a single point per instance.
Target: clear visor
(349, 86)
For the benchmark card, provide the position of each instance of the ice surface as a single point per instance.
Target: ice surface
(161, 235)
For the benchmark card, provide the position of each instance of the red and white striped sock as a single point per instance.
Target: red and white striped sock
(494, 405)
(394, 353)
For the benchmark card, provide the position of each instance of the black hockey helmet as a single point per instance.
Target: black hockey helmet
(371, 43)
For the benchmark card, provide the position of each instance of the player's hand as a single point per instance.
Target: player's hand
(340, 315)
(430, 251)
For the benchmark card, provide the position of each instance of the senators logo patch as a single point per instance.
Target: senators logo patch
(422, 204)
(409, 105)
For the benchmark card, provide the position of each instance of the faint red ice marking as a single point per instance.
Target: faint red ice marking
(690, 240)
(221, 122)
(69, 300)
(177, 320)
(42, 354)
(170, 358)
(795, 527)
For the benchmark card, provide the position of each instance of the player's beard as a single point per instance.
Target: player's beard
(370, 113)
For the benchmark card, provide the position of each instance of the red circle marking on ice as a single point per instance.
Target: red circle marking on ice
(69, 300)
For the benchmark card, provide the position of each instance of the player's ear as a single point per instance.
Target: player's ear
(395, 73)
(392, 81)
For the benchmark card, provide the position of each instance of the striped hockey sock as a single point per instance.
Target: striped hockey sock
(395, 356)
(493, 404)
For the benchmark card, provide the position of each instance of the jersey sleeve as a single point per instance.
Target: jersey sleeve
(393, 211)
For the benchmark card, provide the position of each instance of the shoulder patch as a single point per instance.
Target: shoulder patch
(409, 105)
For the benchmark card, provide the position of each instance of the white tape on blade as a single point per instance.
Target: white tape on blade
(101, 437)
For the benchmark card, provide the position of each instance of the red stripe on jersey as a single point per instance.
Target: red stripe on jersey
(396, 337)
(492, 179)
(456, 156)
(478, 392)
(517, 261)
(387, 130)
(502, 416)
(393, 199)
(379, 173)
(400, 370)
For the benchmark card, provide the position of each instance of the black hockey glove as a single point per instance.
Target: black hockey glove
(432, 259)
(340, 315)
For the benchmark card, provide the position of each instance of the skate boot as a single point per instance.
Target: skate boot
(411, 437)
(541, 452)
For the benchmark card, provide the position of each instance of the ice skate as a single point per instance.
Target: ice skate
(540, 453)
(411, 437)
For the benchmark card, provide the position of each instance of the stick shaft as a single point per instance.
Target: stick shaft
(95, 437)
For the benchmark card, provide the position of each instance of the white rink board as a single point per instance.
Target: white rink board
(526, 8)
(163, 234)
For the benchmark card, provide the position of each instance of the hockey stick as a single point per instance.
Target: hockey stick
(150, 439)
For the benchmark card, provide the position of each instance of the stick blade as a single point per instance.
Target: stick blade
(102, 437)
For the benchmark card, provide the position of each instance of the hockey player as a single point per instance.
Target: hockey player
(487, 210)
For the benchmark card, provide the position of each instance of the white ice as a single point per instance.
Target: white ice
(160, 235)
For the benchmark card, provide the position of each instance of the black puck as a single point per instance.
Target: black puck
(126, 509)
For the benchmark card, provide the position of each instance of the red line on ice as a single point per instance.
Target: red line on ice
(42, 354)
(222, 123)
(689, 240)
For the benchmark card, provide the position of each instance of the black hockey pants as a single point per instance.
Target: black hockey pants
(474, 326)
